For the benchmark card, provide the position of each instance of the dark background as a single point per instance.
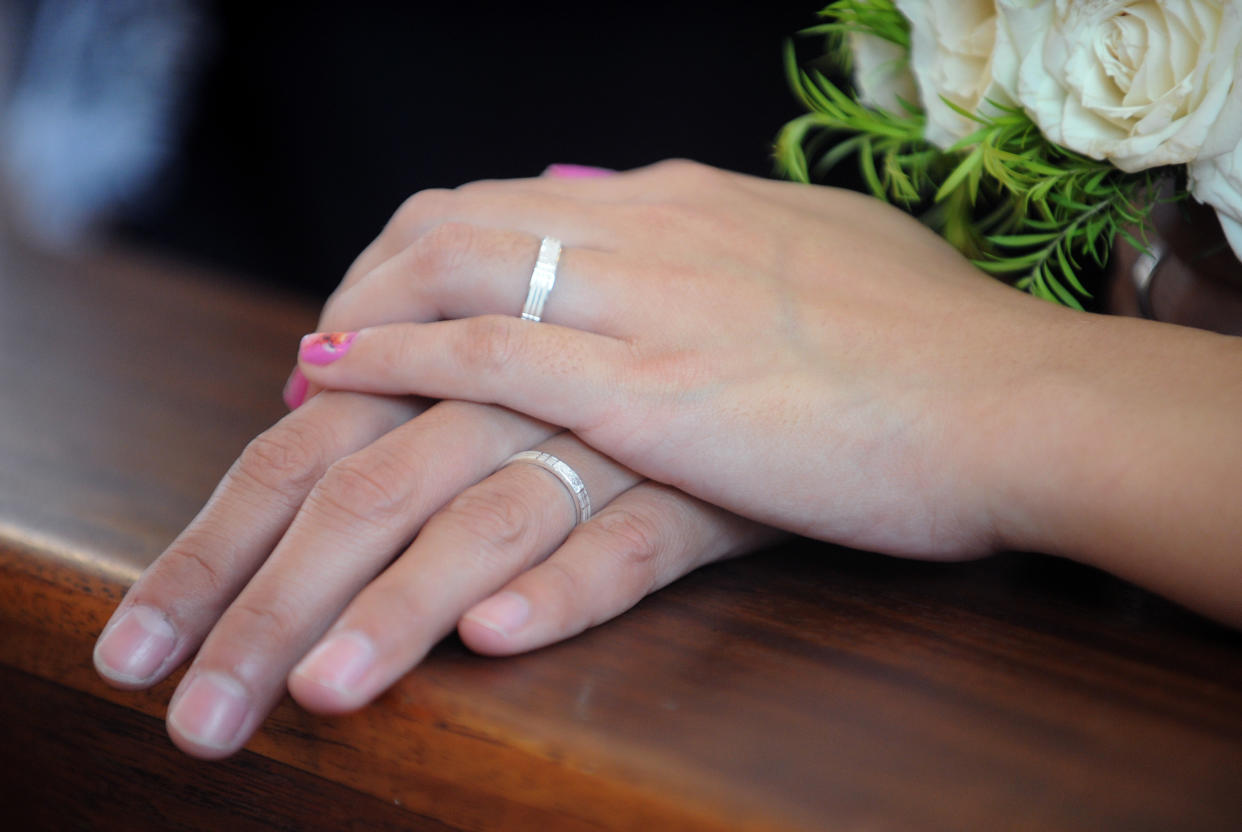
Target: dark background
(309, 124)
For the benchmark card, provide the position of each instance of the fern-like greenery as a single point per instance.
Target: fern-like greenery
(1015, 203)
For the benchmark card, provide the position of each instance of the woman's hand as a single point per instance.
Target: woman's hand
(793, 353)
(818, 361)
(288, 565)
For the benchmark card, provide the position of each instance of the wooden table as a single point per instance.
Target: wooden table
(804, 688)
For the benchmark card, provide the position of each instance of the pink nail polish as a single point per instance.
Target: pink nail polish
(211, 710)
(340, 662)
(135, 645)
(325, 347)
(577, 171)
(295, 389)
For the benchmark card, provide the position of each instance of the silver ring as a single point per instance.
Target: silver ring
(542, 278)
(568, 477)
(1143, 273)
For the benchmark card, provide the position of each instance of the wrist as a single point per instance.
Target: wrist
(1124, 451)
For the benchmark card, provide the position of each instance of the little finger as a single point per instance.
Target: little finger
(646, 538)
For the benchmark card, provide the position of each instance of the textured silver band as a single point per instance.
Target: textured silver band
(542, 279)
(568, 477)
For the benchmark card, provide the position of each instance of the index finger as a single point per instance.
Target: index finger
(167, 613)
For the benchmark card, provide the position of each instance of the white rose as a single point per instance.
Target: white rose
(1137, 82)
(956, 56)
(1218, 182)
(882, 73)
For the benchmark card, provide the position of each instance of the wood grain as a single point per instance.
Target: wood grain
(807, 687)
(126, 776)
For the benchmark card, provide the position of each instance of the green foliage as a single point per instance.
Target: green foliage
(1018, 205)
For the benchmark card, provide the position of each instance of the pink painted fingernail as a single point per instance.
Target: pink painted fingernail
(340, 662)
(295, 389)
(504, 612)
(211, 711)
(135, 646)
(577, 171)
(325, 347)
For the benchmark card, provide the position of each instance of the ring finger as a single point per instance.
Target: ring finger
(459, 270)
(523, 205)
(479, 542)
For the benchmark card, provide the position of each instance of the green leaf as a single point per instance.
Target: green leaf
(1022, 240)
(866, 159)
(973, 160)
(1062, 294)
(1017, 204)
(1068, 272)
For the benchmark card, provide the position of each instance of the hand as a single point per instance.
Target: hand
(766, 346)
(286, 564)
(816, 360)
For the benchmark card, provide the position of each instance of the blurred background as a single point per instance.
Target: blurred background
(274, 140)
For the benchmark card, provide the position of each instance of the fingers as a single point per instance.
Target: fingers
(646, 538)
(469, 251)
(364, 508)
(529, 205)
(559, 375)
(562, 203)
(458, 270)
(166, 614)
(414, 250)
(483, 538)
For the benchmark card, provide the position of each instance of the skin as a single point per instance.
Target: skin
(809, 359)
(818, 361)
(309, 535)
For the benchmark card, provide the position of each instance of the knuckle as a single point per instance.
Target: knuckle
(489, 345)
(690, 174)
(484, 186)
(190, 570)
(634, 537)
(417, 210)
(273, 619)
(285, 460)
(370, 488)
(502, 522)
(443, 248)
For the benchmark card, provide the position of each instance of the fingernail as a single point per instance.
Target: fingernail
(135, 646)
(340, 662)
(295, 389)
(325, 347)
(211, 711)
(505, 612)
(577, 171)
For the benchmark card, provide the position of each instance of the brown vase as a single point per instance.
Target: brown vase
(1189, 275)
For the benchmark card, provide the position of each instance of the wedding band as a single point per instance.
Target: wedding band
(1143, 273)
(568, 477)
(542, 279)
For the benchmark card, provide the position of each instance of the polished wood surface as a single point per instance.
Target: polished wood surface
(803, 688)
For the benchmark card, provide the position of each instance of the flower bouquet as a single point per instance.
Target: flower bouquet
(1030, 133)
